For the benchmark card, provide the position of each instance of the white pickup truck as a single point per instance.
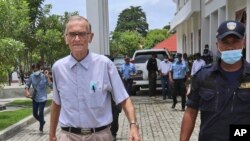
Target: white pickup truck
(140, 59)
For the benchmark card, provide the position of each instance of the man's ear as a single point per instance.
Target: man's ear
(91, 37)
(66, 41)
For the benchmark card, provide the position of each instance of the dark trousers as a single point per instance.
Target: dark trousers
(116, 109)
(128, 85)
(179, 89)
(152, 83)
(165, 85)
(38, 112)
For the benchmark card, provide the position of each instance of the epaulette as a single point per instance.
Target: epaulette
(207, 66)
(204, 67)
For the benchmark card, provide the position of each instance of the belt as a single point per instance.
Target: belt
(84, 131)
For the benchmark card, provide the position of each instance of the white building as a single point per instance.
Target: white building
(196, 22)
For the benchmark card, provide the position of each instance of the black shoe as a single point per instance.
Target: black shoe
(41, 127)
(164, 98)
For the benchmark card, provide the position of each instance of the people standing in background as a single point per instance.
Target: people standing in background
(164, 68)
(197, 64)
(207, 55)
(127, 72)
(83, 83)
(39, 81)
(116, 110)
(152, 74)
(21, 73)
(221, 91)
(177, 77)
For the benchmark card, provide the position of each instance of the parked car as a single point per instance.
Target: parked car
(140, 59)
(119, 61)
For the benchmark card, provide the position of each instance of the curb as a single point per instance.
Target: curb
(15, 128)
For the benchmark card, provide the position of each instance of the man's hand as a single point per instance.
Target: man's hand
(134, 133)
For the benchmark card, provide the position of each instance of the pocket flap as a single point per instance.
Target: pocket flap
(207, 94)
(244, 94)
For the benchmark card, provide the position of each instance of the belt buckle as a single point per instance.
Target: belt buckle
(85, 131)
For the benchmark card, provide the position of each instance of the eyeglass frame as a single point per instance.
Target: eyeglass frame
(81, 35)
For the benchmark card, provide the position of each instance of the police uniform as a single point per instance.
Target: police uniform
(223, 99)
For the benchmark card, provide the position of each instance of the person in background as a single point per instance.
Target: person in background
(207, 55)
(83, 83)
(177, 77)
(152, 76)
(164, 68)
(116, 110)
(197, 64)
(220, 91)
(127, 72)
(39, 82)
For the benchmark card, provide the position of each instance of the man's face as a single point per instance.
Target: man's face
(230, 42)
(78, 36)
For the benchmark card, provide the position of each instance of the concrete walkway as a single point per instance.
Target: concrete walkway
(157, 120)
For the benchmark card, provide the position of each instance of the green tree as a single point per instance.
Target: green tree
(132, 19)
(125, 43)
(14, 21)
(155, 36)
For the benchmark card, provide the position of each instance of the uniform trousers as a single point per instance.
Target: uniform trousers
(179, 89)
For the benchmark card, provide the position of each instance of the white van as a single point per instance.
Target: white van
(140, 59)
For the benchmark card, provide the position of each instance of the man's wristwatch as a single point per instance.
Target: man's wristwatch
(134, 123)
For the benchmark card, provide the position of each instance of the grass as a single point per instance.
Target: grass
(8, 118)
(26, 103)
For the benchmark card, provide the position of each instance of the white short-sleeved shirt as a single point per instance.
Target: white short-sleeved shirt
(82, 89)
(165, 67)
(197, 65)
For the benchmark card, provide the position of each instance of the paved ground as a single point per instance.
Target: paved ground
(157, 120)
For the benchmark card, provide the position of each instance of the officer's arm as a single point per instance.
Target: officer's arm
(188, 123)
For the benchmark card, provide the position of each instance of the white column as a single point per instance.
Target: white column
(97, 14)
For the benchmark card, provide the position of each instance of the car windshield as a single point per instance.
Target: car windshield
(142, 57)
(119, 61)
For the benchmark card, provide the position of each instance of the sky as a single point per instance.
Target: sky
(158, 12)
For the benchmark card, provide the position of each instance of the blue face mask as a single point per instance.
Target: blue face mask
(231, 56)
(37, 73)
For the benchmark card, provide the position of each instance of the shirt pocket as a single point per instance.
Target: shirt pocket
(208, 101)
(243, 101)
(95, 99)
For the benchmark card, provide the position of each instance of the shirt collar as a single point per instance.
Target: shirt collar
(84, 62)
(246, 66)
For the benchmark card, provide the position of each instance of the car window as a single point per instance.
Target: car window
(142, 57)
(119, 60)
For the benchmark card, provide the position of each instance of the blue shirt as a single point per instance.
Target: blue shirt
(83, 90)
(179, 70)
(40, 82)
(127, 70)
(223, 99)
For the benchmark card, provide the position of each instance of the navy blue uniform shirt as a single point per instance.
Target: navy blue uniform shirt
(222, 98)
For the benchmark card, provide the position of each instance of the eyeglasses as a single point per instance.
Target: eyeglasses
(81, 35)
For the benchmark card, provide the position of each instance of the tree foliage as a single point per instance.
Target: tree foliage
(14, 21)
(125, 43)
(132, 19)
(155, 36)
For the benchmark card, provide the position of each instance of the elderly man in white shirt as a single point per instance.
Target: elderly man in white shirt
(164, 69)
(83, 83)
(197, 64)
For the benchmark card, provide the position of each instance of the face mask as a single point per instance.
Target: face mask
(37, 73)
(231, 56)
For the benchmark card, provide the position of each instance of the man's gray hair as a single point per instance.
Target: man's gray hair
(76, 18)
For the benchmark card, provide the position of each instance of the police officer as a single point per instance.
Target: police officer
(220, 91)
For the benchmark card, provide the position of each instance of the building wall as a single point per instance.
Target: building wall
(213, 12)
